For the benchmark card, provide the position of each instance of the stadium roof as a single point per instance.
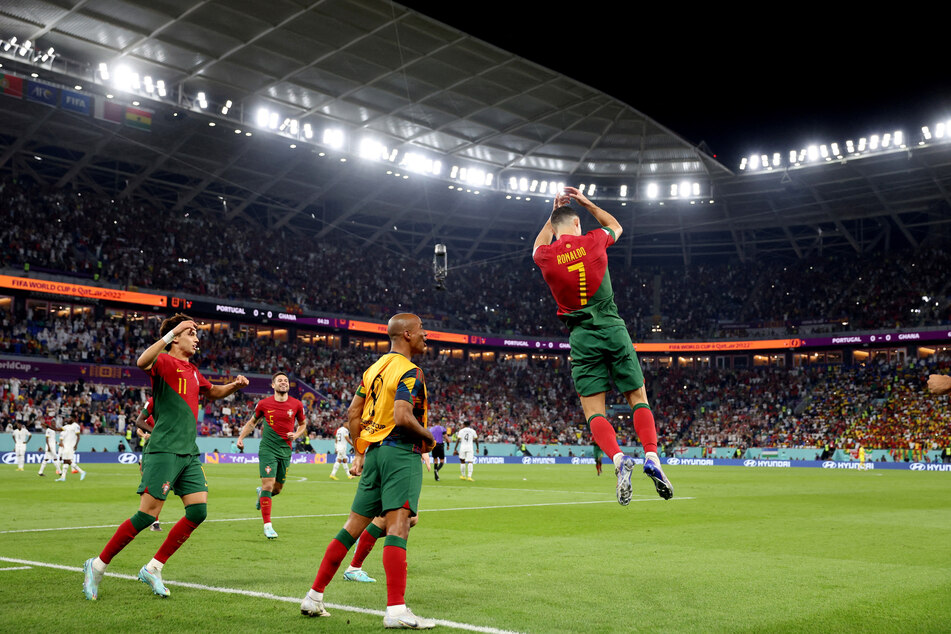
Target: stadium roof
(428, 95)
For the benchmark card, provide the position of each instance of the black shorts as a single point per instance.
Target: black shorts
(439, 451)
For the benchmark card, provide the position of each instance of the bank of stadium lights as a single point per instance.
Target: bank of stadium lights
(125, 79)
(825, 152)
(28, 51)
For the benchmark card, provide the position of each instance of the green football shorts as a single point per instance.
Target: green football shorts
(600, 356)
(272, 465)
(392, 478)
(165, 472)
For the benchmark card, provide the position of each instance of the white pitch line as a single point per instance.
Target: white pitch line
(297, 517)
(257, 595)
(18, 568)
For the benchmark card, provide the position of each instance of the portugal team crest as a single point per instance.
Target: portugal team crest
(290, 413)
(267, 469)
(166, 487)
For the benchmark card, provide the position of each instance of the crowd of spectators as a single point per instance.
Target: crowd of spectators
(61, 232)
(877, 405)
(526, 401)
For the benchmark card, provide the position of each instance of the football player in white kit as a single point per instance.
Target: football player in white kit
(465, 438)
(50, 449)
(341, 442)
(21, 436)
(68, 441)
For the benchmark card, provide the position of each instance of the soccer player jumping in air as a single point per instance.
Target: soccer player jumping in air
(575, 266)
(173, 461)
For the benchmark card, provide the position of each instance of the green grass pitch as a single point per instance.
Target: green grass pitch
(527, 548)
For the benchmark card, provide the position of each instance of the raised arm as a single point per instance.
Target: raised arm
(605, 219)
(148, 357)
(547, 233)
(216, 392)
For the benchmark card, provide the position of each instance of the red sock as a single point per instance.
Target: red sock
(364, 546)
(176, 537)
(123, 535)
(604, 435)
(645, 428)
(394, 564)
(333, 557)
(266, 509)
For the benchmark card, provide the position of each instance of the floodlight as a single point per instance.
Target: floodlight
(623, 191)
(25, 48)
(202, 101)
(225, 108)
(372, 149)
(333, 137)
(160, 86)
(9, 44)
(652, 190)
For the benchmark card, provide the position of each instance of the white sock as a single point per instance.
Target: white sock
(470, 466)
(462, 468)
(334, 470)
(78, 468)
(99, 565)
(617, 459)
(313, 595)
(63, 472)
(351, 569)
(395, 609)
(650, 455)
(154, 566)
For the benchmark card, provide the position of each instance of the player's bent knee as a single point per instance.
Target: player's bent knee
(196, 513)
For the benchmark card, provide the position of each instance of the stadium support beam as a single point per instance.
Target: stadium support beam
(82, 163)
(277, 178)
(155, 164)
(843, 231)
(447, 217)
(23, 138)
(789, 236)
(384, 227)
(684, 246)
(200, 187)
(737, 239)
(353, 209)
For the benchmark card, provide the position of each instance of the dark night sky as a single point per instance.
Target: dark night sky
(743, 83)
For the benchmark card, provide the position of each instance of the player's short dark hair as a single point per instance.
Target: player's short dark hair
(169, 324)
(563, 215)
(277, 374)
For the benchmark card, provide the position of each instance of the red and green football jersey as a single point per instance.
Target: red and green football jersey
(576, 270)
(176, 385)
(281, 418)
